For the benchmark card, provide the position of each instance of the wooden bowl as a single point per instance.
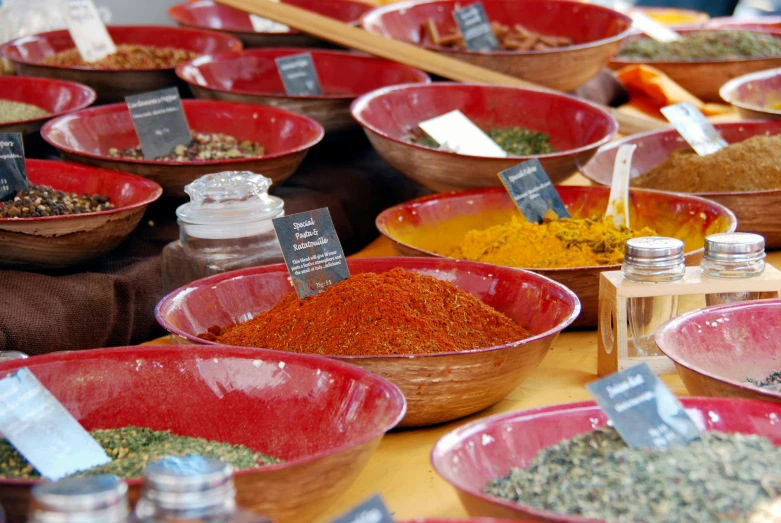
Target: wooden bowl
(208, 14)
(704, 78)
(467, 462)
(27, 53)
(438, 387)
(752, 95)
(757, 211)
(87, 136)
(54, 96)
(434, 225)
(717, 348)
(67, 241)
(577, 129)
(322, 417)
(252, 77)
(596, 31)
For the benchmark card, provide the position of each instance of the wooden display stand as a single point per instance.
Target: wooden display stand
(613, 338)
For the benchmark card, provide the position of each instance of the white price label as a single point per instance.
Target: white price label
(456, 133)
(88, 30)
(695, 128)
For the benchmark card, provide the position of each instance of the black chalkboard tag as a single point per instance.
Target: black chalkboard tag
(476, 28)
(643, 410)
(373, 510)
(13, 170)
(40, 428)
(532, 191)
(299, 75)
(312, 251)
(160, 122)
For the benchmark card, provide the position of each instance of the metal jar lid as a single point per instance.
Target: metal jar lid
(189, 483)
(87, 499)
(735, 247)
(653, 251)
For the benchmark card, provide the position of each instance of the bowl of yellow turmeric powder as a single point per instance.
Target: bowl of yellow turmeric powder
(485, 225)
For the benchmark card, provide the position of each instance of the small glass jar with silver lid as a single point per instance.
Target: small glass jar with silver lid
(733, 255)
(91, 499)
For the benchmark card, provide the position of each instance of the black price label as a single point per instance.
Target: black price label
(312, 251)
(643, 410)
(372, 510)
(299, 75)
(13, 170)
(160, 122)
(475, 28)
(532, 191)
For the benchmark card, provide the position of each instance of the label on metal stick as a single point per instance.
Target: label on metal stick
(87, 30)
(13, 170)
(160, 122)
(475, 28)
(299, 75)
(532, 191)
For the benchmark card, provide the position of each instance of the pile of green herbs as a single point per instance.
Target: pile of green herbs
(516, 141)
(704, 45)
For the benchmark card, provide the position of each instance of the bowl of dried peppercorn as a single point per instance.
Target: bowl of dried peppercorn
(456, 337)
(71, 214)
(145, 59)
(226, 135)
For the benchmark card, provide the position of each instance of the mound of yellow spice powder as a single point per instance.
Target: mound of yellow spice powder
(568, 242)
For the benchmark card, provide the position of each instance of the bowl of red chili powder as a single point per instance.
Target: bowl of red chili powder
(455, 336)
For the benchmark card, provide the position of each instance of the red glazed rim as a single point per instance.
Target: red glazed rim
(675, 324)
(729, 91)
(468, 429)
(397, 398)
(625, 61)
(230, 55)
(402, 6)
(53, 83)
(706, 195)
(46, 132)
(153, 189)
(465, 266)
(234, 43)
(359, 104)
(385, 216)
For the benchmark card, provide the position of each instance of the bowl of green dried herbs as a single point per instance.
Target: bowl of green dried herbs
(564, 464)
(298, 428)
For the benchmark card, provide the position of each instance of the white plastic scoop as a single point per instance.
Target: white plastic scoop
(618, 204)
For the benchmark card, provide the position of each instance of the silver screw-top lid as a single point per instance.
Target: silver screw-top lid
(735, 246)
(81, 500)
(653, 251)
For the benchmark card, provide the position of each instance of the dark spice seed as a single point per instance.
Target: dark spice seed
(771, 382)
(42, 200)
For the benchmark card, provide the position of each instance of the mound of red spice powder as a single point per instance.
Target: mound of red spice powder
(393, 313)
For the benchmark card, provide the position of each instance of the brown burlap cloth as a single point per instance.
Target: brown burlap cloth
(111, 301)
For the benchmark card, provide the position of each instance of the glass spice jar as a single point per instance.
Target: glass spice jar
(653, 260)
(91, 499)
(225, 226)
(733, 255)
(191, 488)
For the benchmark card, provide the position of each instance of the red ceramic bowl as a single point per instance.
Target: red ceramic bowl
(54, 96)
(208, 14)
(28, 52)
(87, 136)
(487, 449)
(66, 241)
(756, 211)
(438, 387)
(717, 348)
(753, 94)
(596, 31)
(704, 78)
(576, 128)
(252, 77)
(322, 417)
(435, 225)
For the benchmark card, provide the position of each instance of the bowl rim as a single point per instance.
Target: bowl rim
(729, 90)
(385, 215)
(52, 83)
(704, 195)
(360, 104)
(669, 328)
(262, 52)
(396, 398)
(175, 10)
(373, 17)
(231, 41)
(154, 190)
(399, 261)
(692, 29)
(115, 108)
(458, 435)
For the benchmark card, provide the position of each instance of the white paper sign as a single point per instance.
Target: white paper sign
(88, 30)
(456, 133)
(695, 128)
(264, 25)
(652, 28)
